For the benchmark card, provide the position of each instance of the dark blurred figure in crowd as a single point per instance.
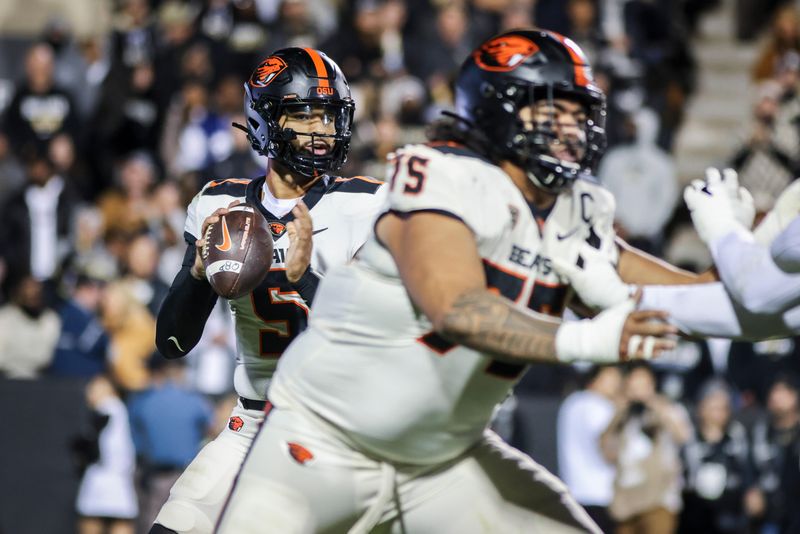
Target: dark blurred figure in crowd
(582, 419)
(28, 329)
(83, 346)
(241, 160)
(716, 466)
(106, 500)
(773, 501)
(169, 423)
(37, 221)
(12, 174)
(658, 39)
(133, 39)
(39, 109)
(643, 441)
(584, 28)
(128, 119)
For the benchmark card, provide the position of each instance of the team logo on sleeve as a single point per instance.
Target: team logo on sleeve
(267, 71)
(504, 53)
(300, 454)
(277, 229)
(235, 423)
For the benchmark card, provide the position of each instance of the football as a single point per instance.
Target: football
(237, 253)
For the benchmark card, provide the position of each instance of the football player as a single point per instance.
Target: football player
(380, 407)
(758, 296)
(299, 114)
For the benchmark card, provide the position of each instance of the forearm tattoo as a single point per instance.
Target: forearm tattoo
(492, 324)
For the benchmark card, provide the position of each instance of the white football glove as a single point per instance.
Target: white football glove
(598, 339)
(786, 208)
(711, 210)
(596, 280)
(744, 209)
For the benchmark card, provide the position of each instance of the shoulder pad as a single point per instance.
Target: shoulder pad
(235, 187)
(356, 184)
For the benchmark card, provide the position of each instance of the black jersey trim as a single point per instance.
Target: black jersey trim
(253, 197)
(356, 184)
(447, 147)
(235, 187)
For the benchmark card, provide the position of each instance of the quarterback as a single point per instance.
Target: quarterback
(380, 407)
(299, 113)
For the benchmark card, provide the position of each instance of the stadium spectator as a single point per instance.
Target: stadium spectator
(106, 499)
(636, 173)
(772, 501)
(716, 466)
(767, 159)
(583, 417)
(142, 279)
(35, 236)
(169, 423)
(643, 441)
(783, 37)
(28, 329)
(83, 344)
(129, 208)
(39, 109)
(132, 330)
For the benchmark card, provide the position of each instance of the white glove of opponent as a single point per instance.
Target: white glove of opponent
(598, 285)
(786, 208)
(719, 205)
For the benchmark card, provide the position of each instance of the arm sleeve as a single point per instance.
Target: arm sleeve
(185, 310)
(751, 276)
(707, 310)
(785, 249)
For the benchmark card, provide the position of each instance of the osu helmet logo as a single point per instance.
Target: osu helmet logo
(235, 423)
(504, 53)
(267, 71)
(277, 228)
(300, 454)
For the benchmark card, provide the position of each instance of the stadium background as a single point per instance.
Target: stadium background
(130, 104)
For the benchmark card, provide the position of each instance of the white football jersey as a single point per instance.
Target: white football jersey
(342, 210)
(371, 364)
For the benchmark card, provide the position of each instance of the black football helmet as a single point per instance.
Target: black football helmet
(294, 80)
(514, 70)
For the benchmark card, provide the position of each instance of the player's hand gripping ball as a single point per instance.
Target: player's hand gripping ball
(237, 252)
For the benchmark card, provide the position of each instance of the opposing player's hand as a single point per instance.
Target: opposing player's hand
(198, 271)
(595, 279)
(744, 209)
(298, 257)
(786, 208)
(711, 210)
(618, 334)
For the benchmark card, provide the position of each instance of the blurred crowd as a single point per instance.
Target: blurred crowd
(105, 138)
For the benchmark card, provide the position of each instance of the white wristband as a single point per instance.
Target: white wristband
(596, 339)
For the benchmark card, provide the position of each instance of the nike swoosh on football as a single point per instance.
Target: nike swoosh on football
(318, 231)
(226, 237)
(568, 234)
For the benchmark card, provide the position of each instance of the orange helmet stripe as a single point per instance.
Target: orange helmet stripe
(577, 58)
(322, 73)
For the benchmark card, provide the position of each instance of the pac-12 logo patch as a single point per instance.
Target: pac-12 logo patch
(504, 53)
(235, 423)
(300, 454)
(267, 71)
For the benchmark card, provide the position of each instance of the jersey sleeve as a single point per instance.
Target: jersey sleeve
(785, 249)
(602, 226)
(193, 224)
(364, 219)
(427, 181)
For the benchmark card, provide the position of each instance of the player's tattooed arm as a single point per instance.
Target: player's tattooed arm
(489, 323)
(443, 273)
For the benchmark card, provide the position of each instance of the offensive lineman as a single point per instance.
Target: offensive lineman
(380, 407)
(299, 113)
